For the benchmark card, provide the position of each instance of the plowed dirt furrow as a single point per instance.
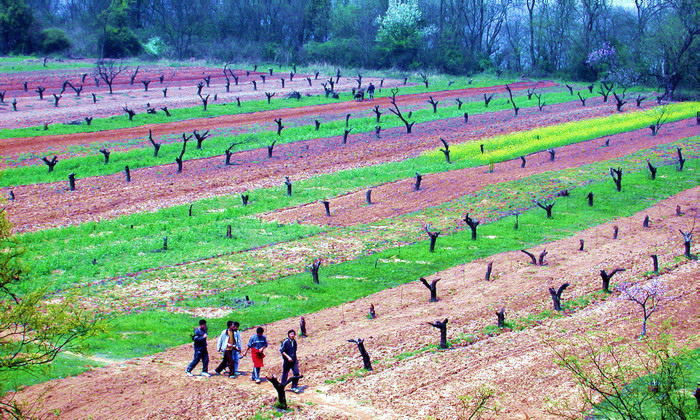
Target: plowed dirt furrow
(396, 198)
(426, 383)
(156, 187)
(27, 144)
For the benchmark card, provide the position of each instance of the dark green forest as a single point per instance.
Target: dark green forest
(654, 42)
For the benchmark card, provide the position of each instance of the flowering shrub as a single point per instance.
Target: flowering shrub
(606, 62)
(649, 296)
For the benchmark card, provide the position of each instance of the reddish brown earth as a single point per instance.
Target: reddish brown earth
(399, 197)
(180, 81)
(33, 144)
(156, 187)
(428, 383)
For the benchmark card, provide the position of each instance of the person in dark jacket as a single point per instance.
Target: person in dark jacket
(290, 361)
(370, 91)
(200, 349)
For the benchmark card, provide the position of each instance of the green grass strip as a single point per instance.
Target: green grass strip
(510, 146)
(219, 109)
(87, 166)
(63, 366)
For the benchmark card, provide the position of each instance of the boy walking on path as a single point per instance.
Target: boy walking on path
(257, 345)
(200, 349)
(237, 346)
(225, 345)
(290, 360)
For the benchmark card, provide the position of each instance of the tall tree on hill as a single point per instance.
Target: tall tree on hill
(16, 22)
(317, 20)
(181, 22)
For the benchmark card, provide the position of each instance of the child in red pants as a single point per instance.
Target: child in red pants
(257, 345)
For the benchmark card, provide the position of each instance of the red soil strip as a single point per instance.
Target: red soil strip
(152, 188)
(514, 363)
(396, 198)
(28, 144)
(182, 89)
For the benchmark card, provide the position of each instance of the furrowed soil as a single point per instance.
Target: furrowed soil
(33, 144)
(421, 383)
(181, 83)
(156, 187)
(393, 198)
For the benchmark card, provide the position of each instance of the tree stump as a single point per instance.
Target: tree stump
(302, 327)
(432, 235)
(606, 278)
(501, 316)
(314, 267)
(616, 175)
(71, 181)
(446, 150)
(432, 286)
(556, 295)
(367, 363)
(546, 207)
(489, 268)
(652, 170)
(372, 312)
(472, 223)
(50, 163)
(442, 326)
(288, 183)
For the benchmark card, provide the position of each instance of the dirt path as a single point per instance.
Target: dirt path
(394, 199)
(33, 144)
(152, 188)
(427, 383)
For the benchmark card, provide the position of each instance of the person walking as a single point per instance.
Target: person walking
(225, 345)
(370, 91)
(236, 350)
(257, 345)
(200, 349)
(290, 361)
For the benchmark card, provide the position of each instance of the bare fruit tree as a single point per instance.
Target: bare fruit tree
(396, 111)
(108, 70)
(649, 297)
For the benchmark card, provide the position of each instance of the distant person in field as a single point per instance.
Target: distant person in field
(370, 90)
(288, 349)
(257, 345)
(200, 349)
(226, 344)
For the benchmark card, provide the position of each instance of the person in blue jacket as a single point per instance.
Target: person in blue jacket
(200, 349)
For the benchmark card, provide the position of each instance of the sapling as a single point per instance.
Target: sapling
(649, 296)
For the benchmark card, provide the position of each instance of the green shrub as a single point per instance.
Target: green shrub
(120, 43)
(54, 40)
(154, 47)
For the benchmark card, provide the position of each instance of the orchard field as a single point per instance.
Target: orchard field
(149, 196)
